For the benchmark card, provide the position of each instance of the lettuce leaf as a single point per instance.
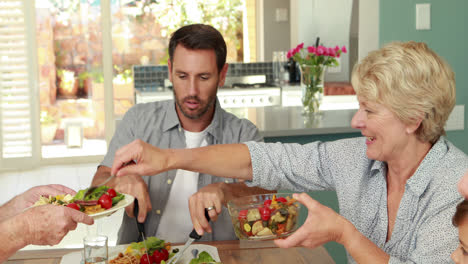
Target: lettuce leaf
(119, 197)
(94, 195)
(98, 192)
(202, 258)
(153, 244)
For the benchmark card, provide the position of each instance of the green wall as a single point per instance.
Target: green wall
(448, 37)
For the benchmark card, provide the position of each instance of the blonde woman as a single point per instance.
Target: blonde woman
(396, 185)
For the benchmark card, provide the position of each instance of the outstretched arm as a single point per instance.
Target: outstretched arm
(227, 160)
(324, 225)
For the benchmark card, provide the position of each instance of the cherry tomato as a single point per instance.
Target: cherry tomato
(111, 193)
(146, 259)
(281, 199)
(105, 201)
(166, 253)
(73, 206)
(265, 213)
(243, 214)
(267, 203)
(159, 256)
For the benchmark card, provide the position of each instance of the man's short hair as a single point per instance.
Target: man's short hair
(199, 36)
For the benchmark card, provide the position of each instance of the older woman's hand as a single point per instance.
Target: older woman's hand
(29, 197)
(48, 224)
(138, 158)
(321, 226)
(211, 195)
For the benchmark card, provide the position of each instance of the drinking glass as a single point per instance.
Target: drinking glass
(95, 249)
(279, 69)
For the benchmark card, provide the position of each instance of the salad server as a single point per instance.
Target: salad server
(192, 237)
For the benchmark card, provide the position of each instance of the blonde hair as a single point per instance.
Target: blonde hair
(413, 81)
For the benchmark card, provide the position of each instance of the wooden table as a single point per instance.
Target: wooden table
(233, 251)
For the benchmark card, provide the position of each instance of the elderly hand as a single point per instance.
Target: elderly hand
(28, 198)
(135, 186)
(48, 224)
(149, 160)
(211, 195)
(321, 226)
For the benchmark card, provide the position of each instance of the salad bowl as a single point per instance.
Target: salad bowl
(264, 216)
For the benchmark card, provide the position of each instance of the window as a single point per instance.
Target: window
(53, 80)
(16, 98)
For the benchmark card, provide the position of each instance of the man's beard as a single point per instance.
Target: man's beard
(204, 107)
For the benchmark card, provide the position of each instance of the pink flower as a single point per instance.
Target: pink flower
(296, 50)
(337, 48)
(320, 50)
(300, 46)
(331, 52)
(289, 54)
(311, 49)
(343, 49)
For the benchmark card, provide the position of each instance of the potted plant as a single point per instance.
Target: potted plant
(84, 83)
(49, 127)
(123, 83)
(67, 85)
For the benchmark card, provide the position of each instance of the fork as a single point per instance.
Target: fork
(91, 188)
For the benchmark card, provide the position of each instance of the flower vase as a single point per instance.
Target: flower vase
(312, 88)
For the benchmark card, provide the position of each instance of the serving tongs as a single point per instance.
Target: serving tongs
(192, 237)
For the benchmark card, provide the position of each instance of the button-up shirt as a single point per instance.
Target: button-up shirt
(423, 231)
(157, 123)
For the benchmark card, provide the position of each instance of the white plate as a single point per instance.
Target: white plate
(76, 257)
(122, 204)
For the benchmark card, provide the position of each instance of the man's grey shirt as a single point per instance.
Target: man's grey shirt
(423, 231)
(157, 123)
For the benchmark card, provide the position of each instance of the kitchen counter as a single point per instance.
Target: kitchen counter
(287, 119)
(277, 121)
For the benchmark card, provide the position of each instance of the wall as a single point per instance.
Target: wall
(276, 34)
(331, 21)
(447, 36)
(368, 27)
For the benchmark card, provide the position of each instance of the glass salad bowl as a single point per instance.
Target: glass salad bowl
(264, 216)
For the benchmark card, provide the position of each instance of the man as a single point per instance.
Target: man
(41, 225)
(197, 67)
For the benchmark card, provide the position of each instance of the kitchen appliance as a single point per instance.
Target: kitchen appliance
(237, 92)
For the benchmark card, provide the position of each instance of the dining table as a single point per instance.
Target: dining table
(232, 251)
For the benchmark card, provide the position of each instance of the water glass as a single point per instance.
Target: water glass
(280, 75)
(95, 249)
